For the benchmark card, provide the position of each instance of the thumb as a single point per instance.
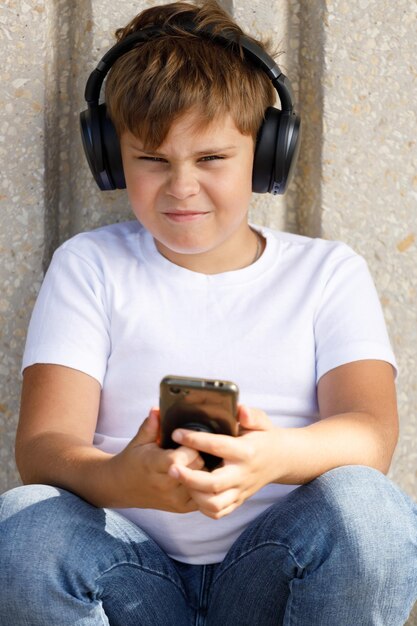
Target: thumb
(149, 429)
(253, 419)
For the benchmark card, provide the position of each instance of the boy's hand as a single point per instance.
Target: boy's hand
(247, 466)
(141, 470)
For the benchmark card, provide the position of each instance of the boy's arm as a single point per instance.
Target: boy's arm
(58, 417)
(359, 416)
(359, 426)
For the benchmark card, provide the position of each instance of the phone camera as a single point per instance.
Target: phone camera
(175, 390)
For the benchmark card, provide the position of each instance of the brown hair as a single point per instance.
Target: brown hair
(148, 88)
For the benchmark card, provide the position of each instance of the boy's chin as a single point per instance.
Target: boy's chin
(189, 250)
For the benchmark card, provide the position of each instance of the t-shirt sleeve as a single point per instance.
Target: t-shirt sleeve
(69, 324)
(349, 322)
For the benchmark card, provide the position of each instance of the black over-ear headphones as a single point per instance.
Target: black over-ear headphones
(278, 139)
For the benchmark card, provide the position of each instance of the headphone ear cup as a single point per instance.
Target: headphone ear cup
(102, 148)
(288, 147)
(112, 155)
(264, 158)
(276, 152)
(88, 122)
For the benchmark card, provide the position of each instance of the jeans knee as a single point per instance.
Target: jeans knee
(18, 499)
(34, 519)
(369, 517)
(24, 502)
(25, 522)
(364, 494)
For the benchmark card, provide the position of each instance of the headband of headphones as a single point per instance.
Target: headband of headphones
(278, 138)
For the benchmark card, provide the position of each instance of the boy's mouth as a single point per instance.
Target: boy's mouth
(184, 216)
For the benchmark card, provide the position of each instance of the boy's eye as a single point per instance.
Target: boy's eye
(152, 159)
(204, 159)
(211, 157)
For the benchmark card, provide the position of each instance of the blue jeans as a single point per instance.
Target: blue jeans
(339, 551)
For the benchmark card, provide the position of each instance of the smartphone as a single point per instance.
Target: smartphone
(205, 405)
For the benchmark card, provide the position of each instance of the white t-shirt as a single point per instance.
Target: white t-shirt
(113, 307)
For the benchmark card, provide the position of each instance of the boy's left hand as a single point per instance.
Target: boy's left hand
(247, 464)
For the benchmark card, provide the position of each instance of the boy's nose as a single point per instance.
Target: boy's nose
(182, 184)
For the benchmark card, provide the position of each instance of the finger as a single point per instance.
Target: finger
(190, 507)
(198, 464)
(163, 459)
(182, 501)
(253, 419)
(216, 506)
(185, 456)
(214, 482)
(223, 446)
(192, 479)
(148, 431)
(226, 511)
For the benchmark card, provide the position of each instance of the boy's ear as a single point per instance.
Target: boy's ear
(102, 148)
(276, 151)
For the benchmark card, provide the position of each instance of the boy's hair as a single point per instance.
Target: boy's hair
(151, 86)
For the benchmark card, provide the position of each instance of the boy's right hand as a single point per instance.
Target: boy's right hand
(140, 472)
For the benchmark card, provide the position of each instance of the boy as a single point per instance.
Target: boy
(110, 528)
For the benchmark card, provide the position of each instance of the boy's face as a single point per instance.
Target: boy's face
(192, 193)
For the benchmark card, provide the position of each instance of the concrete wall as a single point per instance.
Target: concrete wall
(353, 69)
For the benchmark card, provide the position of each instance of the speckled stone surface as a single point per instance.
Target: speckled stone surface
(369, 173)
(23, 41)
(354, 74)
